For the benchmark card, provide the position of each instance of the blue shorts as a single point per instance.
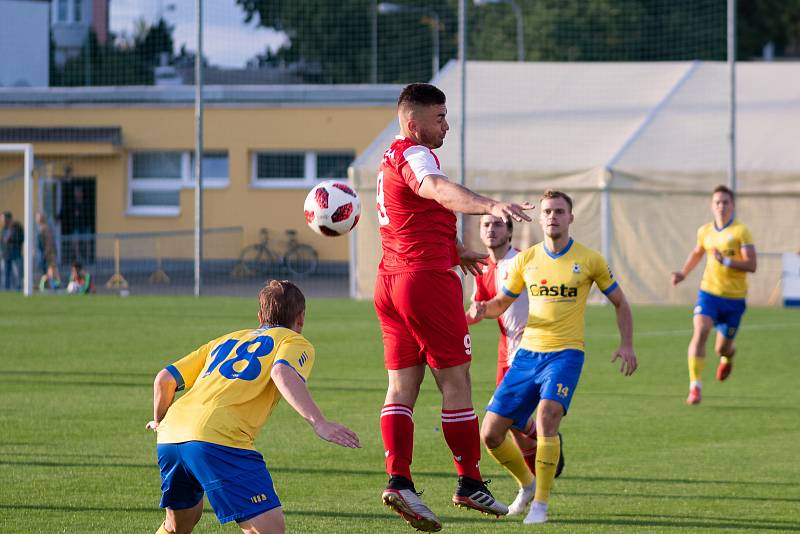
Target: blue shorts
(726, 313)
(534, 376)
(237, 482)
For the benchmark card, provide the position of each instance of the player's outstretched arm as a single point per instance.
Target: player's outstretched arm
(691, 262)
(296, 393)
(164, 387)
(458, 198)
(494, 308)
(625, 325)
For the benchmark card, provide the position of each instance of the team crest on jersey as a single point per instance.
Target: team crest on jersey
(576, 268)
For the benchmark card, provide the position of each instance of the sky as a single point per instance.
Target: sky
(227, 40)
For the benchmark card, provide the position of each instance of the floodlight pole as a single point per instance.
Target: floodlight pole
(732, 71)
(520, 39)
(462, 127)
(518, 15)
(30, 228)
(374, 39)
(198, 150)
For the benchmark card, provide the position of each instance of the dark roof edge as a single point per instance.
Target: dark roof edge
(58, 134)
(356, 95)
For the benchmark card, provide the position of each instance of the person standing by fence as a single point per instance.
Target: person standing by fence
(12, 239)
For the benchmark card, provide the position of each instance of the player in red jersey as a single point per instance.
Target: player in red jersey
(418, 300)
(495, 234)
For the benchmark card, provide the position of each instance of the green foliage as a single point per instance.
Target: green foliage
(76, 387)
(764, 21)
(337, 33)
(129, 63)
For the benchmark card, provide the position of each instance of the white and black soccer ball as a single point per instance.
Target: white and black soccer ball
(332, 208)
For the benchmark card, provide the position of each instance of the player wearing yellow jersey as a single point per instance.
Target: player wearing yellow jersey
(205, 438)
(557, 275)
(728, 247)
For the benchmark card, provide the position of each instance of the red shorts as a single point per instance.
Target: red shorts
(422, 319)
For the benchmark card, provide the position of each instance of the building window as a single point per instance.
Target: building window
(62, 10)
(214, 167)
(281, 165)
(333, 165)
(299, 169)
(157, 165)
(77, 10)
(155, 179)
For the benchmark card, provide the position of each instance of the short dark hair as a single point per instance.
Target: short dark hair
(509, 224)
(77, 265)
(7, 215)
(280, 303)
(725, 189)
(552, 193)
(421, 94)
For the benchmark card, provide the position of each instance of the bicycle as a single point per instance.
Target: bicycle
(259, 259)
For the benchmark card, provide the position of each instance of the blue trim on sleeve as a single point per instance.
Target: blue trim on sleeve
(177, 376)
(607, 291)
(510, 293)
(284, 362)
(558, 255)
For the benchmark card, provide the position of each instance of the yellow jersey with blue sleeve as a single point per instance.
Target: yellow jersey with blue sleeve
(557, 285)
(718, 279)
(230, 391)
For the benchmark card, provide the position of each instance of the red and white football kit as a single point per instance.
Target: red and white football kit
(419, 302)
(512, 322)
(417, 295)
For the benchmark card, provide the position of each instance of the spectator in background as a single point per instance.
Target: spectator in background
(2, 249)
(50, 280)
(80, 281)
(12, 238)
(46, 244)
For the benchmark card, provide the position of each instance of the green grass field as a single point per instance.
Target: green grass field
(76, 390)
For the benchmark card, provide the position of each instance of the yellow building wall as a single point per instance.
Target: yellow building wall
(241, 131)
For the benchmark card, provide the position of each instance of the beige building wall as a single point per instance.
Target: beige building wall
(240, 130)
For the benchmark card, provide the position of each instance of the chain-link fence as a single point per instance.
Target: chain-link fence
(295, 91)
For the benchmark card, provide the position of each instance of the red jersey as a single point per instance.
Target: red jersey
(417, 233)
(512, 322)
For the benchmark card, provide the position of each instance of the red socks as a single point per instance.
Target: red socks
(460, 429)
(397, 430)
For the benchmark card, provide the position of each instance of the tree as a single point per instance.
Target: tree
(767, 21)
(337, 33)
(118, 63)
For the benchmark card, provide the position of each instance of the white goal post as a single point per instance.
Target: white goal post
(30, 229)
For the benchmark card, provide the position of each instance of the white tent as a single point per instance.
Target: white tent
(638, 145)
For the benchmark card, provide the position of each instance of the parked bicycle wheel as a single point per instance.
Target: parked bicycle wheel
(256, 261)
(302, 260)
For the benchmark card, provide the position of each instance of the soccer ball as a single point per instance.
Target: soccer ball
(332, 208)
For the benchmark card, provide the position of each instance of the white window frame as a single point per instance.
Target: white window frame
(71, 19)
(186, 181)
(309, 178)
